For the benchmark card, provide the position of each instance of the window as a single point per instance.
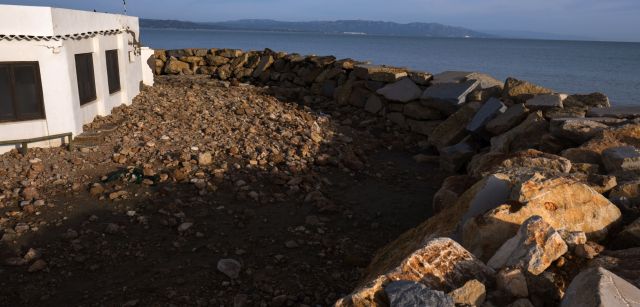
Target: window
(20, 92)
(86, 79)
(113, 71)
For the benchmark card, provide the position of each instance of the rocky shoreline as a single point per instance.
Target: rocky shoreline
(545, 209)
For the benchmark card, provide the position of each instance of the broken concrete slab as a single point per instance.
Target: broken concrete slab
(597, 287)
(448, 97)
(487, 112)
(379, 73)
(403, 91)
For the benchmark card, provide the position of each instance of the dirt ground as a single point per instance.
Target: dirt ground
(302, 238)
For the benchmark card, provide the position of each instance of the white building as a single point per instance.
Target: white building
(60, 68)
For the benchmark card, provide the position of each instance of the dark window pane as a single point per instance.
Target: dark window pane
(6, 100)
(113, 71)
(26, 93)
(86, 78)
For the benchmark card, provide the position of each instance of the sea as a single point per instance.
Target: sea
(569, 67)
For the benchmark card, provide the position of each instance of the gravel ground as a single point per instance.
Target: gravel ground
(212, 195)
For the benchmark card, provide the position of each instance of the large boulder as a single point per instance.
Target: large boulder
(630, 235)
(403, 91)
(546, 101)
(624, 263)
(578, 130)
(409, 293)
(615, 112)
(562, 202)
(265, 62)
(597, 287)
(454, 157)
(591, 151)
(441, 264)
(448, 97)
(531, 159)
(452, 130)
(521, 91)
(534, 248)
(473, 293)
(450, 191)
(524, 136)
(621, 159)
(593, 100)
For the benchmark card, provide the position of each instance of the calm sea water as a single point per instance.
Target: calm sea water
(565, 66)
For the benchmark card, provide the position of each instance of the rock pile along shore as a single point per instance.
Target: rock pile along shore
(544, 210)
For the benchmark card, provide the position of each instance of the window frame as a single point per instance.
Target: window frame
(93, 96)
(41, 114)
(108, 58)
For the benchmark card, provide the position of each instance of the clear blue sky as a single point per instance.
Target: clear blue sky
(599, 19)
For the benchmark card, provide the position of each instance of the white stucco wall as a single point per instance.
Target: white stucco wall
(58, 73)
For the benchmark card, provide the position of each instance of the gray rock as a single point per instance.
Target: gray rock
(397, 118)
(448, 97)
(373, 104)
(487, 112)
(453, 158)
(453, 129)
(596, 287)
(593, 100)
(615, 112)
(416, 110)
(512, 281)
(422, 127)
(229, 267)
(526, 135)
(514, 115)
(534, 248)
(579, 130)
(621, 159)
(421, 78)
(451, 77)
(546, 101)
(402, 91)
(408, 294)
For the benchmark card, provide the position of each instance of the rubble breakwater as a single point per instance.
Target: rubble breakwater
(545, 207)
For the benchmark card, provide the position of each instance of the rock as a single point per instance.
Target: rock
(29, 193)
(485, 195)
(441, 264)
(265, 63)
(621, 159)
(485, 114)
(403, 91)
(422, 127)
(450, 191)
(624, 263)
(521, 91)
(600, 287)
(453, 158)
(397, 118)
(591, 151)
(230, 267)
(588, 250)
(174, 66)
(565, 112)
(448, 97)
(417, 111)
(578, 130)
(473, 293)
(513, 282)
(205, 159)
(379, 73)
(573, 238)
(562, 202)
(420, 78)
(408, 293)
(524, 136)
(452, 130)
(374, 104)
(546, 101)
(502, 123)
(593, 100)
(37, 266)
(229, 53)
(486, 81)
(215, 60)
(532, 160)
(630, 235)
(615, 112)
(534, 248)
(184, 227)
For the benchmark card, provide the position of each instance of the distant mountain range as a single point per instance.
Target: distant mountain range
(362, 27)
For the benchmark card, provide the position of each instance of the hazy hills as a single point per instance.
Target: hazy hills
(340, 26)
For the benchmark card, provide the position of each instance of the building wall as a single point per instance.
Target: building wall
(59, 82)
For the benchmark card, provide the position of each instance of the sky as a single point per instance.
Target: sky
(611, 20)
